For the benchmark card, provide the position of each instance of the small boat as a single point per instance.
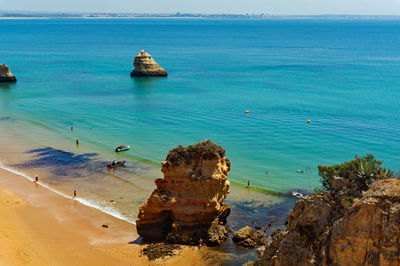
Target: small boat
(299, 171)
(122, 148)
(297, 194)
(115, 164)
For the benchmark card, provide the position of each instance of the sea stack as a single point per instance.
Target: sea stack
(187, 204)
(6, 75)
(146, 66)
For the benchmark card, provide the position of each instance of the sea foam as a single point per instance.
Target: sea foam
(108, 210)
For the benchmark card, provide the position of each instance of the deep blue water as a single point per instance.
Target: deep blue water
(342, 75)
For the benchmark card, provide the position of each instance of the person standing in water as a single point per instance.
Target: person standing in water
(36, 179)
(248, 183)
(74, 194)
(77, 142)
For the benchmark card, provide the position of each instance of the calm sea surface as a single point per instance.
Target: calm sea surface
(341, 75)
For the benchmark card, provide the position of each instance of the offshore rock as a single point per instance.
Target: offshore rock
(327, 229)
(145, 66)
(6, 75)
(187, 204)
(248, 238)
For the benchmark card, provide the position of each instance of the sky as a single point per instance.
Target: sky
(274, 7)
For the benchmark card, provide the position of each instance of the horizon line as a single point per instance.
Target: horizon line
(181, 13)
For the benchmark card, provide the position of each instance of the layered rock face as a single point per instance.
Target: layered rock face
(369, 233)
(146, 66)
(187, 203)
(6, 75)
(329, 229)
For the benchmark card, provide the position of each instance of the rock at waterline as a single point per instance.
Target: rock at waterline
(248, 238)
(187, 204)
(6, 75)
(146, 66)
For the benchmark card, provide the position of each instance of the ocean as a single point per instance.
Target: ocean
(342, 75)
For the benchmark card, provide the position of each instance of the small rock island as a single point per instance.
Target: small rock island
(6, 75)
(146, 66)
(187, 204)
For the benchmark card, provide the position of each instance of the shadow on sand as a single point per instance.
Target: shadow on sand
(61, 163)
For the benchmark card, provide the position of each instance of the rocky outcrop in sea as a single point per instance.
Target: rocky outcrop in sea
(145, 66)
(344, 225)
(6, 75)
(187, 204)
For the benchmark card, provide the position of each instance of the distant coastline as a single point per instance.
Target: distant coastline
(178, 15)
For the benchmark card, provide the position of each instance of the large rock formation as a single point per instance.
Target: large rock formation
(187, 203)
(329, 228)
(146, 66)
(6, 75)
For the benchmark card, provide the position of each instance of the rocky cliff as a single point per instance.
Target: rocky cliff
(334, 228)
(187, 203)
(145, 65)
(6, 75)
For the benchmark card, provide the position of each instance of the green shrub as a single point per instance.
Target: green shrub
(359, 173)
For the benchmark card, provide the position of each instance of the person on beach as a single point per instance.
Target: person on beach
(200, 243)
(248, 183)
(77, 142)
(36, 179)
(74, 194)
(72, 128)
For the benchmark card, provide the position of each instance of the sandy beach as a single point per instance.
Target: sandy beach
(39, 227)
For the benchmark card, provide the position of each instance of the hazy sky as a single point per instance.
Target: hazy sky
(295, 7)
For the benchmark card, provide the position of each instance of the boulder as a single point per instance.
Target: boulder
(145, 66)
(6, 75)
(187, 204)
(248, 238)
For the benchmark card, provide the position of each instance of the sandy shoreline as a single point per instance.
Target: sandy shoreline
(39, 227)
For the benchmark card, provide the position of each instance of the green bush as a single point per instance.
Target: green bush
(359, 173)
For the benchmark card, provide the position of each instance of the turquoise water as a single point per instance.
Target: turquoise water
(342, 75)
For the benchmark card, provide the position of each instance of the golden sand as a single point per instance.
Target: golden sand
(39, 227)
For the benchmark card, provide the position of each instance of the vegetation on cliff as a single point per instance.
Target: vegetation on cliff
(205, 150)
(360, 172)
(353, 221)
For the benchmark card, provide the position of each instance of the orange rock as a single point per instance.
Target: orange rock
(187, 203)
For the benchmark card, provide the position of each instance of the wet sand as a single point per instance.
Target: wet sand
(39, 227)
